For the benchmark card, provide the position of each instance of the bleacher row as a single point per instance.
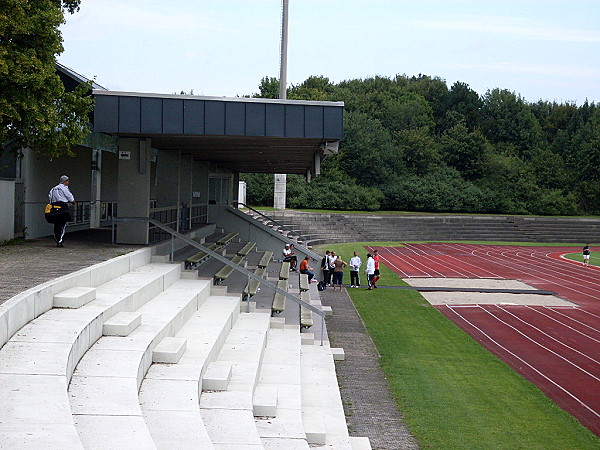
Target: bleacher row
(139, 353)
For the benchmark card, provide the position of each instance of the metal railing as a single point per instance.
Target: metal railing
(221, 258)
(301, 247)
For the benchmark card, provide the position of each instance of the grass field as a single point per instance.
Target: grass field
(453, 393)
(594, 258)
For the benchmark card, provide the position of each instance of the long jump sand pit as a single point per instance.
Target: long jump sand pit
(483, 298)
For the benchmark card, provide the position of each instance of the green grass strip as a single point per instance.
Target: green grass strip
(594, 258)
(453, 393)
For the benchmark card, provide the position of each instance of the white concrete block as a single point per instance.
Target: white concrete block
(264, 403)
(277, 322)
(338, 354)
(307, 338)
(126, 432)
(169, 350)
(189, 275)
(122, 324)
(327, 310)
(75, 297)
(314, 427)
(159, 258)
(218, 290)
(217, 376)
(360, 443)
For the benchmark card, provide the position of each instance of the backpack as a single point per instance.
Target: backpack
(321, 285)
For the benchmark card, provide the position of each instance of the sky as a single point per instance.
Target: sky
(539, 49)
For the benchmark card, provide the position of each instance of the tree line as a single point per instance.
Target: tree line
(415, 144)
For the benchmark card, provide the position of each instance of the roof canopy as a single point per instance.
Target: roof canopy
(243, 134)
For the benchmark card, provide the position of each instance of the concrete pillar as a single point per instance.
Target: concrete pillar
(279, 191)
(134, 189)
(95, 195)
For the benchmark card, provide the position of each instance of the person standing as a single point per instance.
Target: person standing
(586, 255)
(326, 269)
(355, 263)
(376, 275)
(61, 195)
(338, 272)
(370, 270)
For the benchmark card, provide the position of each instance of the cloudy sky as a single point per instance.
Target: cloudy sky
(540, 49)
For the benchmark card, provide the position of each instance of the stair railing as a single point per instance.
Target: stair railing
(248, 274)
(314, 255)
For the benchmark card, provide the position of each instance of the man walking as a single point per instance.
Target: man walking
(61, 195)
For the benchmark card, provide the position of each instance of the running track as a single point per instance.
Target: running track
(557, 348)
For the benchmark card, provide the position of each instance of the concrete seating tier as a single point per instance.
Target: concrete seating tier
(201, 256)
(284, 272)
(104, 387)
(306, 320)
(225, 271)
(170, 393)
(253, 285)
(304, 284)
(247, 248)
(265, 259)
(227, 238)
(231, 381)
(279, 299)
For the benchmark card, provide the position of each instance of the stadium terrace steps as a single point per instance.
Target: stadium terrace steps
(320, 228)
(65, 385)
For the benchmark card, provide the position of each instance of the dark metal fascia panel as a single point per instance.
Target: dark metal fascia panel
(129, 115)
(235, 119)
(313, 122)
(294, 121)
(193, 116)
(106, 114)
(255, 119)
(151, 115)
(214, 118)
(333, 119)
(172, 116)
(275, 120)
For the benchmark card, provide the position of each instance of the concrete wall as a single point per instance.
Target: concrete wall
(7, 211)
(250, 230)
(110, 184)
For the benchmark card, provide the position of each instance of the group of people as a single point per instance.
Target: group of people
(333, 269)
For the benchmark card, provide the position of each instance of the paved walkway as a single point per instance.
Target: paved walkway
(26, 264)
(370, 408)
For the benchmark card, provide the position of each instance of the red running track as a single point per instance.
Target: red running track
(557, 348)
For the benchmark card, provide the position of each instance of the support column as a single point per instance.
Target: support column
(279, 191)
(134, 189)
(95, 197)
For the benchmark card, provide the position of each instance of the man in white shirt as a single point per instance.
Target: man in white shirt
(370, 270)
(355, 263)
(61, 195)
(289, 255)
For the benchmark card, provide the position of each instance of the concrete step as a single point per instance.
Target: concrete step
(170, 393)
(104, 387)
(41, 357)
(243, 349)
(281, 371)
(321, 400)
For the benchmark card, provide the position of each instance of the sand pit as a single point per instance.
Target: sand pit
(470, 298)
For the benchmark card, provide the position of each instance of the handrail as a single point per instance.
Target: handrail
(314, 255)
(224, 260)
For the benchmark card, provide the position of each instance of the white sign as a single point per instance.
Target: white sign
(124, 155)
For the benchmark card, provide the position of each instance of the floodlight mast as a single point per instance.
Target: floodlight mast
(279, 191)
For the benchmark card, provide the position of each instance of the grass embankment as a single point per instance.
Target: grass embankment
(453, 393)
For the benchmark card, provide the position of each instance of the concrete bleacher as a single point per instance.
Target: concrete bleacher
(142, 354)
(321, 228)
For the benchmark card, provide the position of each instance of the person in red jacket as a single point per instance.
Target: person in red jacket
(376, 275)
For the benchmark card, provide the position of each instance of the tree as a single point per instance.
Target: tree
(35, 109)
(464, 151)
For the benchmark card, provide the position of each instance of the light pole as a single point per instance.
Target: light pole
(279, 191)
